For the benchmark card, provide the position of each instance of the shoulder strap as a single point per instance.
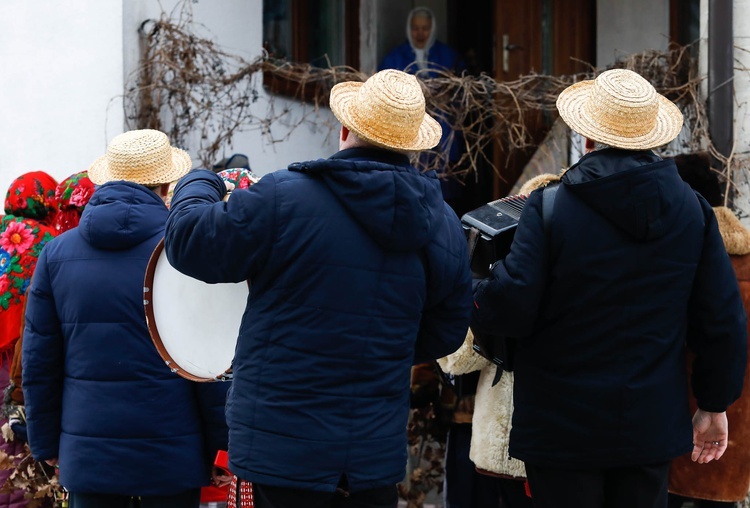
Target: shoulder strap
(548, 203)
(472, 237)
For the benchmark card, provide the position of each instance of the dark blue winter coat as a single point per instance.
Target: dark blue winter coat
(358, 270)
(98, 395)
(600, 305)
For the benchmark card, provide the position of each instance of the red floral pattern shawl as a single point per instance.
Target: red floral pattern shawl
(30, 208)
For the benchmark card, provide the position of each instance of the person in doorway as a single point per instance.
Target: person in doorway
(100, 402)
(359, 270)
(422, 54)
(599, 292)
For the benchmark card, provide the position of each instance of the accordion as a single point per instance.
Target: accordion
(490, 230)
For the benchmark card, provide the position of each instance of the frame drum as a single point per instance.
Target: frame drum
(193, 324)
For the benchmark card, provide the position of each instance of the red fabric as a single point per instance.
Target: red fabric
(222, 460)
(214, 494)
(32, 195)
(72, 195)
(217, 494)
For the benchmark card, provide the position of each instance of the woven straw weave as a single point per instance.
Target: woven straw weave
(388, 110)
(141, 156)
(621, 109)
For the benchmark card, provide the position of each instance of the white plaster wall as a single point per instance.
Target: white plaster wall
(626, 27)
(62, 76)
(237, 27)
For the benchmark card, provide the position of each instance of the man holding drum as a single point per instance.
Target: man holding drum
(100, 402)
(358, 270)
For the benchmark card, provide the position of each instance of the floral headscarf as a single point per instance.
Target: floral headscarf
(32, 195)
(72, 195)
(30, 206)
(240, 177)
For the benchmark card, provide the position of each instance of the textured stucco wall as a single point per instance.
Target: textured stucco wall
(61, 82)
(630, 27)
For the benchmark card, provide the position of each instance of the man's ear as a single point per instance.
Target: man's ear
(590, 145)
(344, 133)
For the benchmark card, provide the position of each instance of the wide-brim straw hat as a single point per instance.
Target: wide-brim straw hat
(387, 110)
(621, 109)
(141, 156)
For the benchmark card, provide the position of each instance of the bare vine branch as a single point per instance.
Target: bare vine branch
(190, 88)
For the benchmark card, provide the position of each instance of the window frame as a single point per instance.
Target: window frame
(300, 30)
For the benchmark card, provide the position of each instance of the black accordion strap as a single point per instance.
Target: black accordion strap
(472, 239)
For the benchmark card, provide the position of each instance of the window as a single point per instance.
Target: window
(317, 32)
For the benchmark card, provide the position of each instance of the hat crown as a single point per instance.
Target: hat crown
(395, 96)
(134, 154)
(624, 101)
(141, 156)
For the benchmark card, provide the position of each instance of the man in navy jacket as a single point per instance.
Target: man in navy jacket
(602, 295)
(358, 270)
(100, 402)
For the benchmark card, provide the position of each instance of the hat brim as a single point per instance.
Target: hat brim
(376, 130)
(571, 105)
(181, 164)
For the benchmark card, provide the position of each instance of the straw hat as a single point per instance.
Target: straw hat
(387, 110)
(621, 109)
(141, 156)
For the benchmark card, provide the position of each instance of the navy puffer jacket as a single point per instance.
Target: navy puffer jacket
(600, 302)
(98, 395)
(358, 270)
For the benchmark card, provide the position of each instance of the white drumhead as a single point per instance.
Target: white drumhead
(196, 323)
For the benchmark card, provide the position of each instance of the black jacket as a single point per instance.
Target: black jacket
(602, 302)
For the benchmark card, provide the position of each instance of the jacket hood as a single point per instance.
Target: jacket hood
(633, 189)
(121, 215)
(399, 207)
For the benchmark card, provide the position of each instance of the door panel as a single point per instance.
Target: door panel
(523, 31)
(518, 38)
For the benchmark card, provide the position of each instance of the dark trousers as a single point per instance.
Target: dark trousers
(466, 488)
(188, 499)
(677, 502)
(616, 487)
(266, 496)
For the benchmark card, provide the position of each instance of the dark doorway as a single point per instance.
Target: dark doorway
(471, 31)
